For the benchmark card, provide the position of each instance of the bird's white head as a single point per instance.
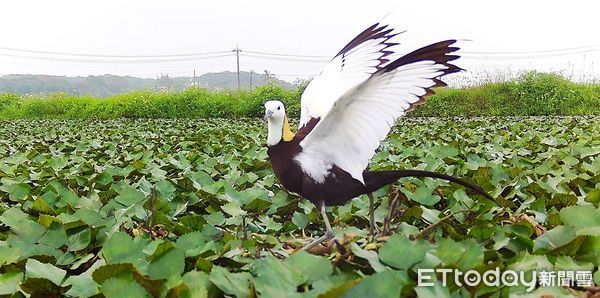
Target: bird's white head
(274, 111)
(279, 128)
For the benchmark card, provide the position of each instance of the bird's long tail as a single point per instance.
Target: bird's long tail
(377, 179)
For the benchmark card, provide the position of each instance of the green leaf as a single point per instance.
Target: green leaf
(107, 271)
(381, 284)
(79, 238)
(67, 196)
(527, 263)
(40, 206)
(9, 282)
(55, 236)
(300, 220)
(257, 206)
(123, 285)
(120, 248)
(168, 263)
(21, 224)
(9, 255)
(233, 208)
(37, 269)
(465, 255)
(423, 196)
(215, 219)
(42, 287)
(192, 243)
(550, 292)
(197, 285)
(593, 196)
(274, 277)
(580, 216)
(166, 190)
(194, 222)
(566, 263)
(129, 196)
(339, 289)
(401, 253)
(311, 267)
(203, 181)
(237, 284)
(88, 216)
(370, 256)
(105, 177)
(83, 285)
(18, 191)
(437, 291)
(553, 239)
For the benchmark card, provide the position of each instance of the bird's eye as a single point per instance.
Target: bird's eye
(278, 108)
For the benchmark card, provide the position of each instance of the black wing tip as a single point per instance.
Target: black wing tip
(375, 31)
(439, 52)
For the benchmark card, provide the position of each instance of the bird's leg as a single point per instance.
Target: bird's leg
(371, 215)
(328, 233)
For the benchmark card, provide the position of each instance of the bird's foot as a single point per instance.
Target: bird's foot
(371, 238)
(327, 236)
(374, 234)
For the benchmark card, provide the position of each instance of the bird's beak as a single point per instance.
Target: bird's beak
(268, 115)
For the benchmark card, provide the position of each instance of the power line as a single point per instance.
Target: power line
(262, 53)
(525, 57)
(296, 75)
(288, 55)
(111, 55)
(284, 59)
(533, 52)
(61, 59)
(274, 56)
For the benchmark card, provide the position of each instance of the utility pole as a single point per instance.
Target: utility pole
(251, 73)
(583, 69)
(237, 56)
(194, 79)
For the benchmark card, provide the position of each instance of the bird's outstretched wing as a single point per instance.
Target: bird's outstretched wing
(362, 117)
(355, 63)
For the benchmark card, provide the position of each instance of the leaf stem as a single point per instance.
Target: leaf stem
(428, 229)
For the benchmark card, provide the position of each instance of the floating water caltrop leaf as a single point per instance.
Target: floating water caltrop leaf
(77, 198)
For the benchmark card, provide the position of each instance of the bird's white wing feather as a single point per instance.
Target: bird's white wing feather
(357, 123)
(355, 63)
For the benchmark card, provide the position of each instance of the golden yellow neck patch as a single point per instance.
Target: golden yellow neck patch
(288, 135)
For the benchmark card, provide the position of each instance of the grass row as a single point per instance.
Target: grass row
(531, 94)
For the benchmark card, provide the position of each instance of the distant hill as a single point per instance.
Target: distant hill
(228, 80)
(106, 85)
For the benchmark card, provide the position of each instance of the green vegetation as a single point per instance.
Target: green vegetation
(531, 94)
(108, 85)
(190, 208)
(191, 103)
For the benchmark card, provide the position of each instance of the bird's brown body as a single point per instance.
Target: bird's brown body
(339, 186)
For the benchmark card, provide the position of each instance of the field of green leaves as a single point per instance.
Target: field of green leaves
(190, 208)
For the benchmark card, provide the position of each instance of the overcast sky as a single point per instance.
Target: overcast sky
(511, 35)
